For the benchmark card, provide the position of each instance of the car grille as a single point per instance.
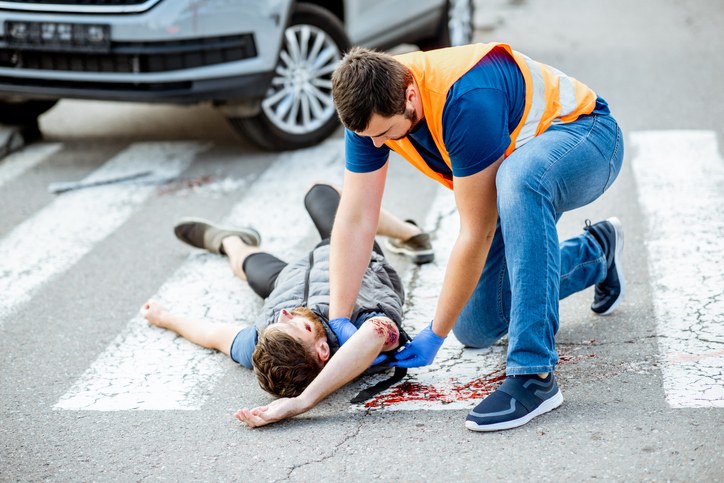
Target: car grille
(80, 2)
(79, 6)
(136, 57)
(99, 86)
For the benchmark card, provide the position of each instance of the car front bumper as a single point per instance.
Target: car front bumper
(178, 51)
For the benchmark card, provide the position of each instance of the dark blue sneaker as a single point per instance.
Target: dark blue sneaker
(609, 293)
(517, 401)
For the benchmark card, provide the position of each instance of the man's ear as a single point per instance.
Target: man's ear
(321, 347)
(284, 316)
(411, 94)
(413, 100)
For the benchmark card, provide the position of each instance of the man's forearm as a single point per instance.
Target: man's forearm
(476, 200)
(349, 256)
(463, 272)
(353, 234)
(351, 360)
(202, 332)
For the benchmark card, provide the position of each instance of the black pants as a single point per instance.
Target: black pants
(262, 269)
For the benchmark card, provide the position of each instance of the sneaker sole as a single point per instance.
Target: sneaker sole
(250, 232)
(618, 228)
(417, 256)
(546, 406)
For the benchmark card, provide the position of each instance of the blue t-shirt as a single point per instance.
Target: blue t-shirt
(482, 108)
(242, 348)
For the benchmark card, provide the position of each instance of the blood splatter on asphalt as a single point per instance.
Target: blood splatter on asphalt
(412, 391)
(477, 388)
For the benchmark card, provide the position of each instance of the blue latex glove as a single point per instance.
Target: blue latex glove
(342, 328)
(421, 351)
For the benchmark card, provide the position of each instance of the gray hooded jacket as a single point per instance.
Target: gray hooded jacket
(306, 283)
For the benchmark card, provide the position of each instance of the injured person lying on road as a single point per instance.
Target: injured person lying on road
(296, 352)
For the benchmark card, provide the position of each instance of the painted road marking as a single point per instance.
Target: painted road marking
(60, 234)
(146, 368)
(18, 163)
(179, 375)
(459, 378)
(680, 179)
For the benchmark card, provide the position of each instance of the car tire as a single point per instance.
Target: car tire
(23, 113)
(297, 110)
(455, 28)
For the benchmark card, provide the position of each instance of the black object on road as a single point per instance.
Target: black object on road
(63, 186)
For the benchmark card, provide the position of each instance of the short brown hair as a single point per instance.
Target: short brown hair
(367, 82)
(283, 366)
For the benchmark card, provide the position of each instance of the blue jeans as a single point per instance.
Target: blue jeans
(527, 270)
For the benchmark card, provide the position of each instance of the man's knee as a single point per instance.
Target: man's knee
(480, 335)
(323, 186)
(517, 184)
(321, 193)
(321, 202)
(512, 177)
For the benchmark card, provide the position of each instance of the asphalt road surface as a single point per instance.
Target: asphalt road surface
(88, 391)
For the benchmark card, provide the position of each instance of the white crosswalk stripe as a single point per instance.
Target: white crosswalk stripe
(146, 368)
(59, 235)
(680, 179)
(18, 163)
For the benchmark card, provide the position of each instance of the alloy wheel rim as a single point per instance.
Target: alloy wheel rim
(299, 99)
(460, 22)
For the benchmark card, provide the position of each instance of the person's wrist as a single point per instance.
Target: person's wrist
(340, 325)
(162, 317)
(304, 402)
(435, 332)
(343, 328)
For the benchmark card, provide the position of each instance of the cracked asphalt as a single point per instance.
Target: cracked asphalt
(657, 62)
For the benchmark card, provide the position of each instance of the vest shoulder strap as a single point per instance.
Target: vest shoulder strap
(435, 72)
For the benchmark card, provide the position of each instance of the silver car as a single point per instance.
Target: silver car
(266, 64)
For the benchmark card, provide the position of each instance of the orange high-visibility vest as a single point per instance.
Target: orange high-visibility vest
(550, 96)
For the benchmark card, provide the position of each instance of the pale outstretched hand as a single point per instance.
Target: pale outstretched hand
(154, 313)
(271, 413)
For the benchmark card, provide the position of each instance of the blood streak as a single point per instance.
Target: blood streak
(392, 337)
(412, 391)
(475, 389)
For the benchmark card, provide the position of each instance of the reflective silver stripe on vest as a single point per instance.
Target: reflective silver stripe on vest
(566, 92)
(566, 95)
(538, 104)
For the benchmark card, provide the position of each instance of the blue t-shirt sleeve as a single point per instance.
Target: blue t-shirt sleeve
(475, 130)
(242, 348)
(361, 154)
